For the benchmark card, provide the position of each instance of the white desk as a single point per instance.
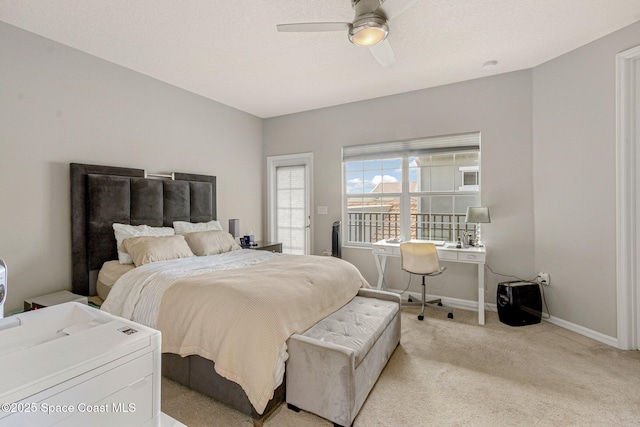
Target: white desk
(448, 252)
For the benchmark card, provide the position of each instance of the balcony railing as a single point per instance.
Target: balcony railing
(369, 227)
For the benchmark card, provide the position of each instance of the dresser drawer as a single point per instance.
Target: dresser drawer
(377, 250)
(448, 255)
(471, 257)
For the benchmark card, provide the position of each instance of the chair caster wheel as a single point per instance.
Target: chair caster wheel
(420, 317)
(450, 315)
(440, 304)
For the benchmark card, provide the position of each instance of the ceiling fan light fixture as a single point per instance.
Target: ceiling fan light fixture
(368, 31)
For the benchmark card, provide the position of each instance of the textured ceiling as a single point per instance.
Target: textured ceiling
(230, 51)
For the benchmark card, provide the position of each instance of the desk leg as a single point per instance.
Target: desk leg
(381, 262)
(481, 294)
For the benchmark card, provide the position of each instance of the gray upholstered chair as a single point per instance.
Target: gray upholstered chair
(422, 259)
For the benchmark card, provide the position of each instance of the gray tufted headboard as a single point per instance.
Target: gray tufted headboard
(102, 195)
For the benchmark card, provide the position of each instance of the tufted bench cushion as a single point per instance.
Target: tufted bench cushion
(357, 325)
(333, 365)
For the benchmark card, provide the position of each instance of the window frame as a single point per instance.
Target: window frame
(404, 196)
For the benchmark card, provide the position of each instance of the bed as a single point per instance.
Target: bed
(287, 285)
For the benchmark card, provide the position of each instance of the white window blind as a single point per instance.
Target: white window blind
(413, 147)
(290, 209)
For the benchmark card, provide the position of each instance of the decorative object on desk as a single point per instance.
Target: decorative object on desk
(467, 239)
(478, 215)
(422, 259)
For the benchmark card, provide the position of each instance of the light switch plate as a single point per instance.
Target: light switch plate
(322, 210)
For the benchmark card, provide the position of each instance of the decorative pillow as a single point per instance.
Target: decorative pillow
(124, 231)
(147, 249)
(184, 227)
(211, 242)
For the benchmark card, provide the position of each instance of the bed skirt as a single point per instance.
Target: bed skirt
(198, 374)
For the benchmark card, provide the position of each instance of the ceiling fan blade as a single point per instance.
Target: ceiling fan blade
(313, 27)
(383, 53)
(393, 8)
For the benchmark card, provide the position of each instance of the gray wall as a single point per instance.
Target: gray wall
(574, 180)
(548, 170)
(58, 105)
(499, 107)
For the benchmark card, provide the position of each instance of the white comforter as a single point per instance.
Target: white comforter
(138, 293)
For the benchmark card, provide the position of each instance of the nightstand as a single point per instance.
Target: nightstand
(53, 299)
(266, 246)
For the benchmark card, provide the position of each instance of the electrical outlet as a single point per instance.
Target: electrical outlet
(544, 279)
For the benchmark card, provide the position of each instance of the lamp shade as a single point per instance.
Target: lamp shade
(368, 31)
(234, 227)
(477, 215)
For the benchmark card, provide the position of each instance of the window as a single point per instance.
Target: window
(416, 189)
(289, 201)
(291, 212)
(470, 178)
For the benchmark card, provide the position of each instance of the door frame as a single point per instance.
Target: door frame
(627, 199)
(273, 162)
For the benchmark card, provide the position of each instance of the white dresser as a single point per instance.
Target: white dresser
(73, 365)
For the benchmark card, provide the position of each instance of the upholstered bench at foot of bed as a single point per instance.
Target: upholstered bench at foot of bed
(333, 365)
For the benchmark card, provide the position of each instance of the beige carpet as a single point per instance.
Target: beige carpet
(457, 373)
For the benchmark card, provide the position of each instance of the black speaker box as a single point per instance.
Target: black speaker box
(519, 303)
(336, 245)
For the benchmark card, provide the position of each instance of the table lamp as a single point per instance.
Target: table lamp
(234, 227)
(478, 215)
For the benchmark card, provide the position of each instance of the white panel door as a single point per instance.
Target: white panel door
(635, 129)
(290, 202)
(628, 198)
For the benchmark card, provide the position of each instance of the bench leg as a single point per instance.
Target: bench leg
(296, 409)
(293, 408)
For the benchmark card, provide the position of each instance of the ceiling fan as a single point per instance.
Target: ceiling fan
(369, 27)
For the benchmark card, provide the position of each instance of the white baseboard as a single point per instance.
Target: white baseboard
(451, 302)
(605, 339)
(473, 305)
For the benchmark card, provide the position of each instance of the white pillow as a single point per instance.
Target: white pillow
(124, 231)
(184, 227)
